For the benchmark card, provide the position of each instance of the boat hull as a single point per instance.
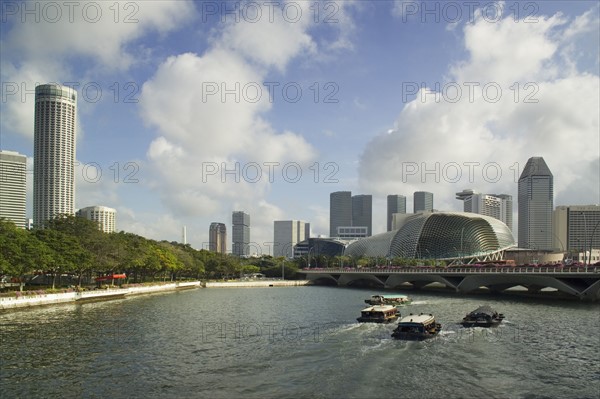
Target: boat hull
(393, 303)
(412, 336)
(481, 323)
(372, 320)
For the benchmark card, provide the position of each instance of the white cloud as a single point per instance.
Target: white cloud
(210, 143)
(431, 141)
(46, 50)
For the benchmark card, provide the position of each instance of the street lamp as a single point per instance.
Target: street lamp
(283, 269)
(585, 231)
(591, 240)
(308, 255)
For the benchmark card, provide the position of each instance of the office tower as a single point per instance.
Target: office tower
(287, 233)
(576, 228)
(498, 206)
(13, 187)
(104, 216)
(53, 152)
(340, 211)
(362, 212)
(395, 204)
(217, 238)
(240, 233)
(536, 198)
(422, 201)
(506, 213)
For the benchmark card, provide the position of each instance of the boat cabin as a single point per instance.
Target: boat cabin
(483, 316)
(417, 327)
(395, 299)
(378, 314)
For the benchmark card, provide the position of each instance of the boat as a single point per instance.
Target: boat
(483, 316)
(417, 327)
(395, 299)
(378, 314)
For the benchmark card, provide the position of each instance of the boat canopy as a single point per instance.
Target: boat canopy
(417, 319)
(483, 310)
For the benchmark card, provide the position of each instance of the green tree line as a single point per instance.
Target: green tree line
(75, 246)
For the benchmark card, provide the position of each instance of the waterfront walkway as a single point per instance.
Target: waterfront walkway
(93, 295)
(582, 282)
(255, 283)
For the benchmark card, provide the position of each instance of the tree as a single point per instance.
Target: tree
(64, 253)
(21, 252)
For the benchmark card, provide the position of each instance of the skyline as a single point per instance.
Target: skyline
(166, 160)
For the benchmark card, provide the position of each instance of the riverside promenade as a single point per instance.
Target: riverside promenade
(256, 283)
(94, 295)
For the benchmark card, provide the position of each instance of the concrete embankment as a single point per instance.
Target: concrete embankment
(256, 283)
(95, 295)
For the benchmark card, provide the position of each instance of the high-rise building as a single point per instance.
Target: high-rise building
(13, 187)
(362, 212)
(536, 198)
(287, 233)
(53, 152)
(422, 201)
(576, 228)
(340, 211)
(395, 204)
(240, 233)
(104, 216)
(347, 211)
(217, 238)
(498, 206)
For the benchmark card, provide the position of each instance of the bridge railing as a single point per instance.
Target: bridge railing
(463, 270)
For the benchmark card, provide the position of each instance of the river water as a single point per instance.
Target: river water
(296, 342)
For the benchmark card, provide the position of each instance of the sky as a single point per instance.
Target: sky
(189, 110)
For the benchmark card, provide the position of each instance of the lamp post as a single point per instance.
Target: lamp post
(308, 255)
(585, 232)
(591, 240)
(283, 269)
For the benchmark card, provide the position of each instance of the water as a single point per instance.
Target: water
(296, 342)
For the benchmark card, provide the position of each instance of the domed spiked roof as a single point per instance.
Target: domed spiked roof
(439, 236)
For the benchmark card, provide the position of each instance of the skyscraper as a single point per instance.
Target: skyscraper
(217, 238)
(240, 233)
(498, 206)
(395, 204)
(347, 211)
(340, 211)
(576, 228)
(287, 233)
(422, 201)
(536, 198)
(13, 188)
(53, 152)
(362, 212)
(104, 216)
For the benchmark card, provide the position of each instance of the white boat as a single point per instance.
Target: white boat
(391, 299)
(378, 314)
(417, 327)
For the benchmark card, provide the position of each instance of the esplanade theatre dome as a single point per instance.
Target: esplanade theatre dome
(449, 236)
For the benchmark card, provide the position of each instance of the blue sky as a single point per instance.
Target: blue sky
(368, 118)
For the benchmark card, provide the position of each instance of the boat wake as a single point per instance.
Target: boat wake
(444, 333)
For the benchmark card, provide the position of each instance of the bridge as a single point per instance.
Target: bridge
(580, 282)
